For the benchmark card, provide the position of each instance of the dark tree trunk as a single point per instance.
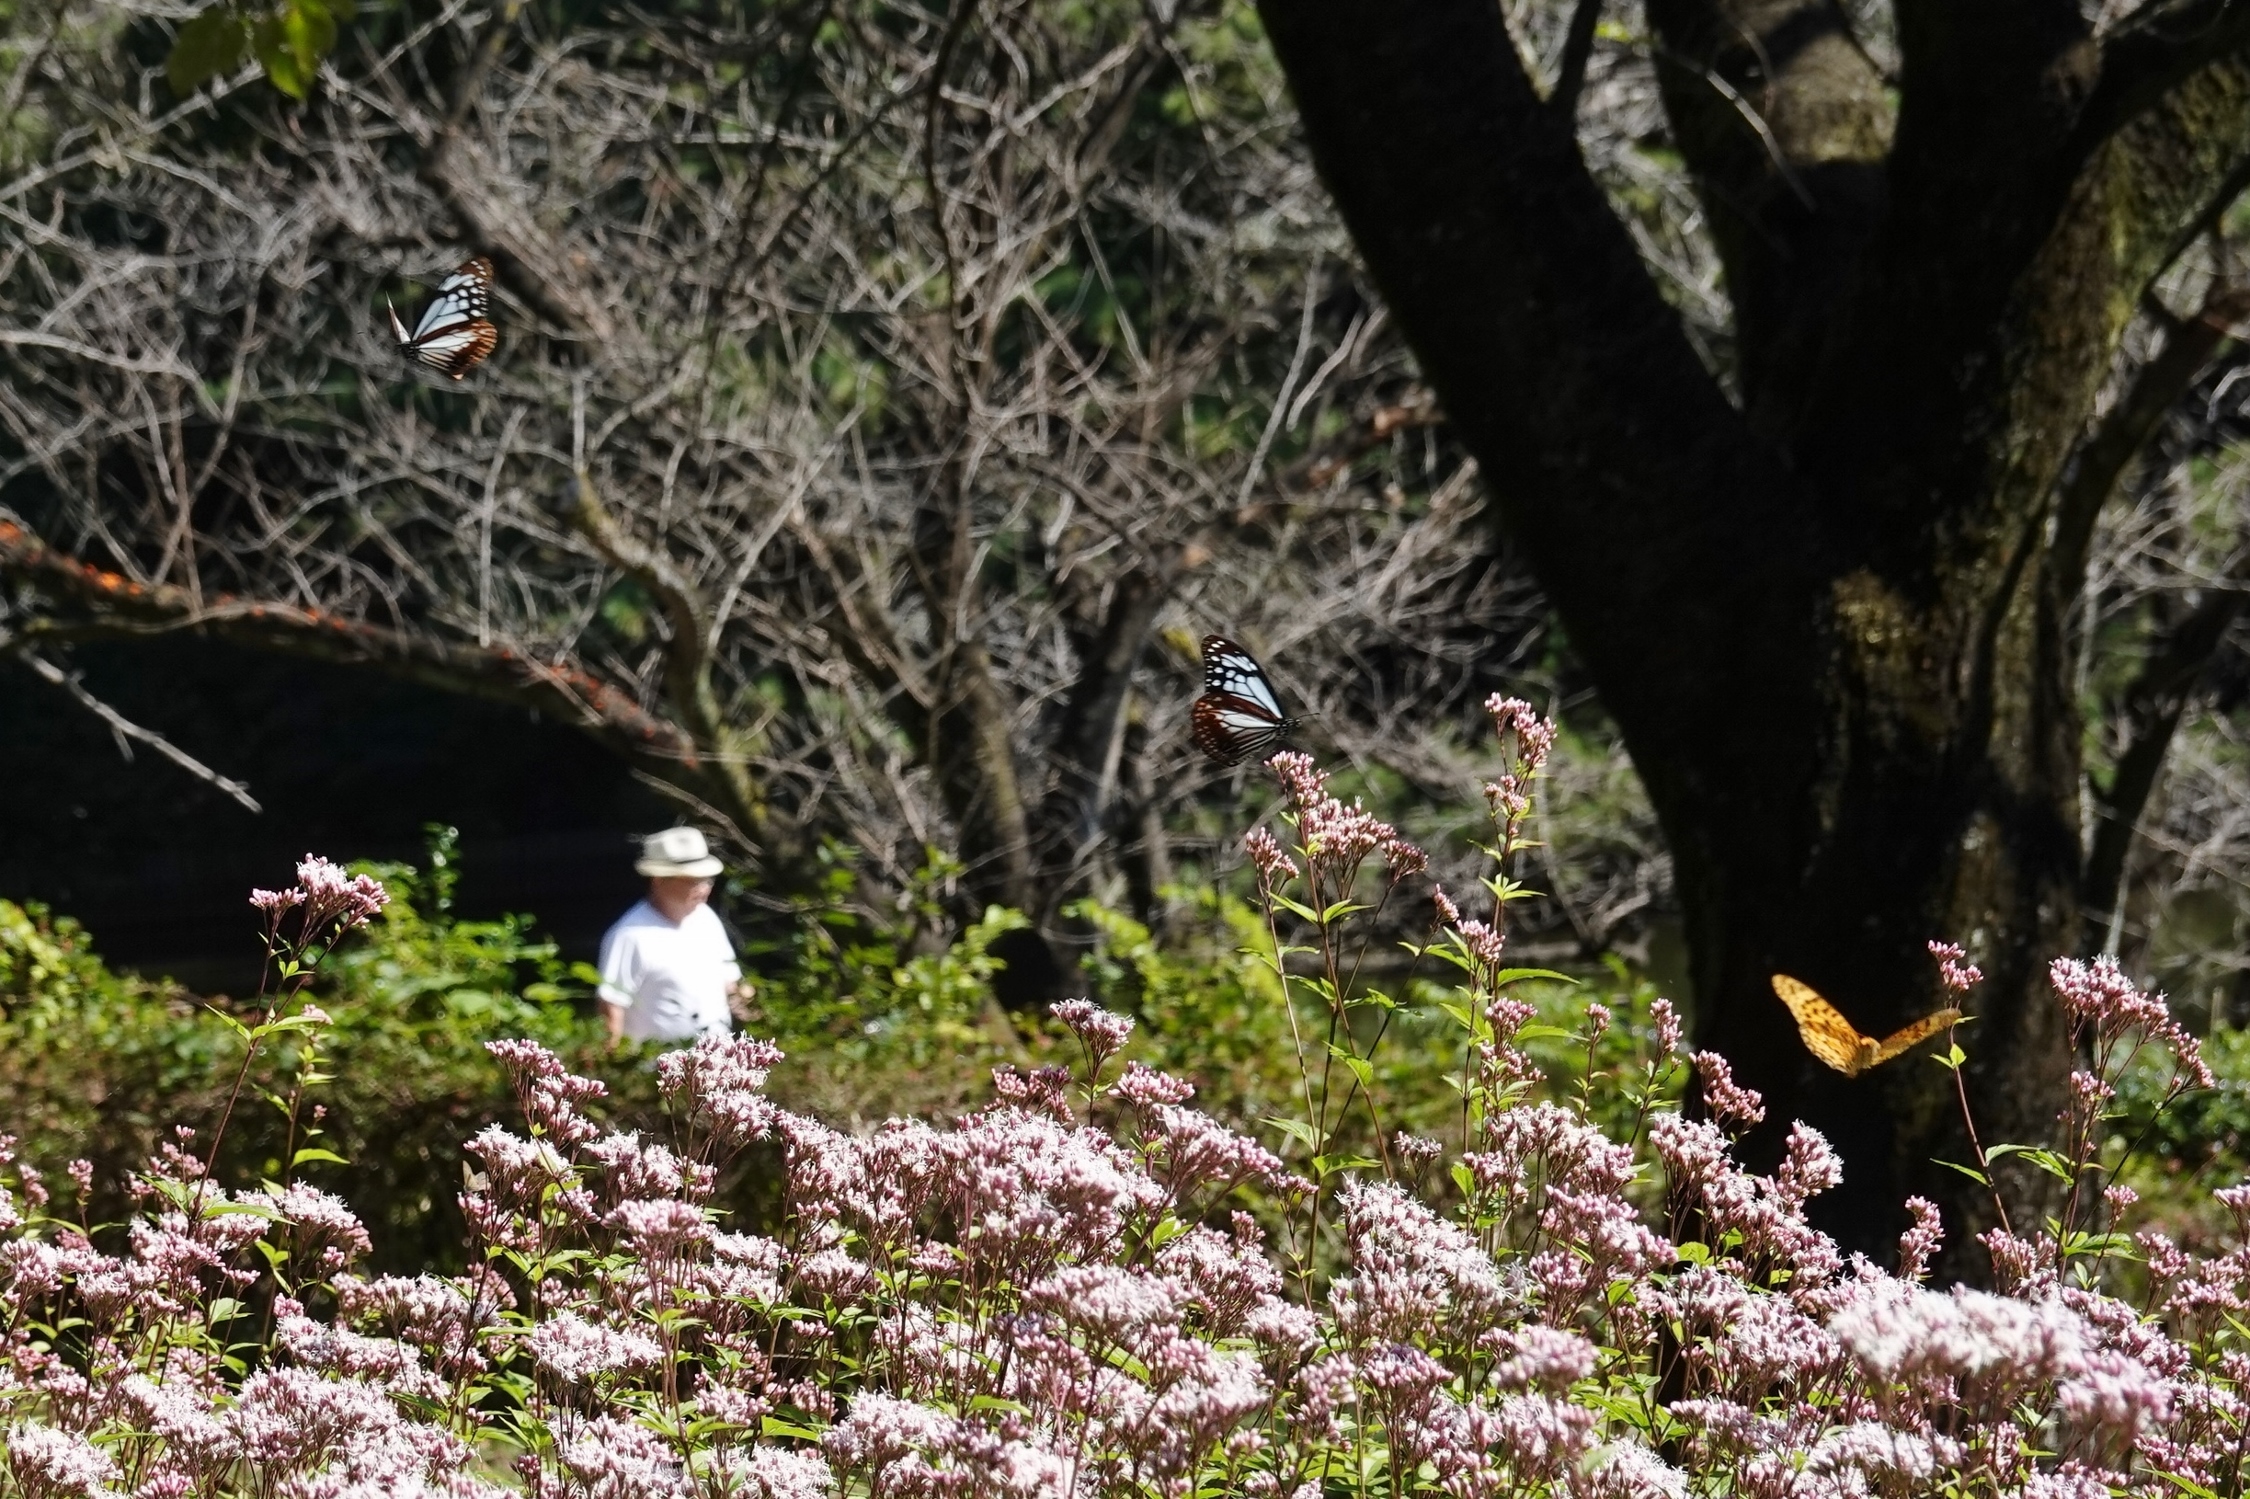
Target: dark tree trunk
(1829, 617)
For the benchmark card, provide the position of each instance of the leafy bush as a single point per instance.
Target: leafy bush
(1062, 1293)
(105, 1068)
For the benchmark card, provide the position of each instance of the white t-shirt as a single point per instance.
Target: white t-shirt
(672, 981)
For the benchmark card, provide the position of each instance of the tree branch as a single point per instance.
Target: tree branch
(2153, 52)
(2153, 707)
(1785, 123)
(2110, 448)
(459, 169)
(687, 651)
(118, 606)
(1578, 49)
(1630, 478)
(125, 729)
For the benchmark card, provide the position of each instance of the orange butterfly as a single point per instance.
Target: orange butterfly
(1833, 1039)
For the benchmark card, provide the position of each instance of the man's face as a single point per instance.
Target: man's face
(677, 895)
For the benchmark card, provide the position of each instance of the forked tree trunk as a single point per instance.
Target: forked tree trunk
(1827, 613)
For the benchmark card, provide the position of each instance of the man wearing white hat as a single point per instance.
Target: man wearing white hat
(667, 968)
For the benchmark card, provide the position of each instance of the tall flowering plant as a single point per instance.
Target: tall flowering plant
(1063, 1294)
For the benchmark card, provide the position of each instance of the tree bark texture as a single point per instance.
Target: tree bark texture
(1828, 612)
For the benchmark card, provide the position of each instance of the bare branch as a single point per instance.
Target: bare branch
(125, 729)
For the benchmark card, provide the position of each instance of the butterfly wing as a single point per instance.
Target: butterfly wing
(463, 297)
(1826, 1033)
(456, 351)
(453, 335)
(1231, 728)
(1898, 1041)
(1231, 671)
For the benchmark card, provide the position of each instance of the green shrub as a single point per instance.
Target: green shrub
(105, 1067)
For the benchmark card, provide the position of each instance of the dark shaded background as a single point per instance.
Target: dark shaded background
(346, 762)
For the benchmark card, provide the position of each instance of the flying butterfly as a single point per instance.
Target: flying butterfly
(1239, 714)
(1836, 1041)
(453, 336)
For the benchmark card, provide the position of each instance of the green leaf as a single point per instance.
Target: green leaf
(280, 42)
(2046, 1160)
(1513, 975)
(218, 1209)
(315, 1153)
(1296, 1129)
(1970, 1172)
(1357, 1065)
(208, 45)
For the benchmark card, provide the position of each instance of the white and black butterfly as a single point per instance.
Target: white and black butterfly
(453, 336)
(1239, 714)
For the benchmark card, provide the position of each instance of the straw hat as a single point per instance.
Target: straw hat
(677, 851)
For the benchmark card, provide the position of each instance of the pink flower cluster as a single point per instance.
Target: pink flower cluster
(1090, 1289)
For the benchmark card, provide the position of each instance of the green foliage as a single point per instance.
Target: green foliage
(105, 1067)
(879, 1018)
(288, 38)
(2200, 1140)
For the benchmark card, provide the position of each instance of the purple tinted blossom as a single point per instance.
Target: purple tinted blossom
(1337, 838)
(2019, 1266)
(1958, 974)
(613, 1458)
(1918, 1243)
(1413, 1273)
(1225, 1278)
(49, 1463)
(1627, 1470)
(1534, 733)
(1484, 944)
(1966, 1334)
(1402, 858)
(1282, 1327)
(1109, 1300)
(2071, 1481)
(1274, 867)
(332, 895)
(1305, 784)
(1876, 1449)
(1199, 1152)
(1416, 1151)
(2099, 996)
(768, 1472)
(323, 1223)
(1448, 914)
(347, 1354)
(274, 902)
(718, 1085)
(576, 1350)
(1102, 1032)
(1735, 1107)
(659, 1229)
(1768, 1213)
(1043, 1090)
(1536, 1357)
(1668, 1030)
(2118, 1394)
(1809, 1166)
